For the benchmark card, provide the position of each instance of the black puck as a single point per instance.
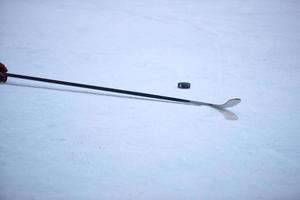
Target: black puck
(184, 85)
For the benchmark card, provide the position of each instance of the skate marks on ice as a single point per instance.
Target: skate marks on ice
(228, 115)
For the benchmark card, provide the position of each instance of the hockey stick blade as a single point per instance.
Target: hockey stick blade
(228, 104)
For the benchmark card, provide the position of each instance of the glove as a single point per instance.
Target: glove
(3, 75)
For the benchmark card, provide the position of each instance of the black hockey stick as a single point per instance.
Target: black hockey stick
(229, 103)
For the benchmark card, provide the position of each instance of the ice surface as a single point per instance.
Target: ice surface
(67, 143)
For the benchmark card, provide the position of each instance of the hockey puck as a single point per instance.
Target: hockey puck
(184, 85)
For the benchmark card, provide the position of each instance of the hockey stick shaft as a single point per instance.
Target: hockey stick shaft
(153, 96)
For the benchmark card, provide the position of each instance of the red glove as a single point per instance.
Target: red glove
(3, 75)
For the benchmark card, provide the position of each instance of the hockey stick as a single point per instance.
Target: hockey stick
(229, 103)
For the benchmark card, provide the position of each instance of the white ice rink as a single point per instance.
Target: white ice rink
(61, 143)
